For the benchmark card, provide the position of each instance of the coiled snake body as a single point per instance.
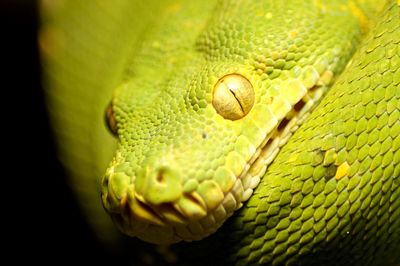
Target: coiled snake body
(283, 115)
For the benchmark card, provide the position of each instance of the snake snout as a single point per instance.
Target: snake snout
(158, 184)
(162, 204)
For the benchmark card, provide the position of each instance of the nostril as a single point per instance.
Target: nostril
(160, 178)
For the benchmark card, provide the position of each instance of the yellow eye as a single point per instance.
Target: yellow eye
(110, 120)
(233, 96)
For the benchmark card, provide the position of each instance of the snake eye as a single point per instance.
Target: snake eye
(233, 96)
(110, 119)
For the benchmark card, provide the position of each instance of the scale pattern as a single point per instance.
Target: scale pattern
(333, 193)
(180, 169)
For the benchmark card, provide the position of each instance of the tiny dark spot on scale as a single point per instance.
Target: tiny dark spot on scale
(204, 135)
(318, 157)
(330, 172)
(270, 100)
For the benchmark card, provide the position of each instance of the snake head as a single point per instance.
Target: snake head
(182, 168)
(185, 164)
(204, 113)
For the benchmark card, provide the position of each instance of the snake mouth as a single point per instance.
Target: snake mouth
(168, 223)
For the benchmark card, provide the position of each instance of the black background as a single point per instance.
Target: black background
(43, 222)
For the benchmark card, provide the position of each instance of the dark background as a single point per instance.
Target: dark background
(41, 220)
(44, 223)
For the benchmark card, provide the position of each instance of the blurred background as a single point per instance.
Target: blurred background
(44, 219)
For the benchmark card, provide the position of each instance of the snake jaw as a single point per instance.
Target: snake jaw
(191, 206)
(187, 215)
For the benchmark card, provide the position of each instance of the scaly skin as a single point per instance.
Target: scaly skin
(332, 195)
(181, 168)
(183, 163)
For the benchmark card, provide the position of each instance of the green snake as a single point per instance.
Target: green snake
(283, 116)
